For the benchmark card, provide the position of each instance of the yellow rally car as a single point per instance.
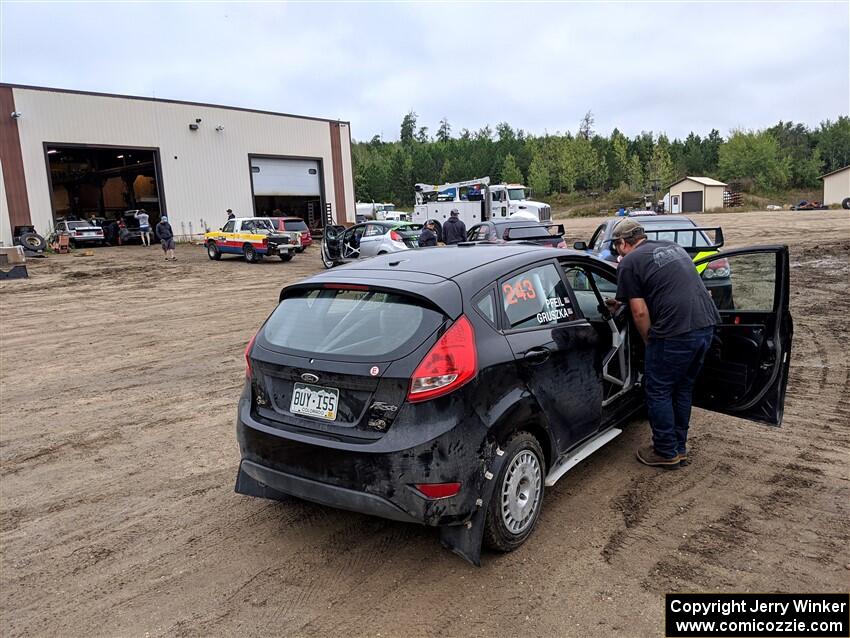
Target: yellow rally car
(253, 238)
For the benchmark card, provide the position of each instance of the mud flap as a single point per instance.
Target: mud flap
(250, 486)
(465, 540)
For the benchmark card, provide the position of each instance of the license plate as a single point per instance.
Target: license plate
(315, 401)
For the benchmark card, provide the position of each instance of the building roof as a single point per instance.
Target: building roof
(166, 101)
(837, 170)
(705, 181)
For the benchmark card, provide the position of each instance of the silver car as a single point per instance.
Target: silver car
(341, 245)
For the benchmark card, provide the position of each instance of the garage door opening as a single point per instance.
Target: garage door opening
(286, 187)
(692, 202)
(103, 183)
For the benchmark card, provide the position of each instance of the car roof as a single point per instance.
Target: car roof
(448, 262)
(290, 218)
(446, 276)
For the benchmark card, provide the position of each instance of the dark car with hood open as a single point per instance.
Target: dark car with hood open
(450, 387)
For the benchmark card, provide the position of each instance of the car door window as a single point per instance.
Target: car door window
(373, 230)
(595, 242)
(536, 297)
(745, 283)
(579, 280)
(228, 227)
(482, 233)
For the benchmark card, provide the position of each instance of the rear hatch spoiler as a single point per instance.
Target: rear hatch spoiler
(687, 237)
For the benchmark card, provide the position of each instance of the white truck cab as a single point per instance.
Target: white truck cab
(476, 201)
(511, 199)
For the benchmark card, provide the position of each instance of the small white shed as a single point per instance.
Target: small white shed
(695, 195)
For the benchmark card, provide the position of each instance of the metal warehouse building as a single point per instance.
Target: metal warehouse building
(836, 186)
(73, 154)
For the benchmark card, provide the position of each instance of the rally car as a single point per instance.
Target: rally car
(699, 242)
(449, 387)
(251, 237)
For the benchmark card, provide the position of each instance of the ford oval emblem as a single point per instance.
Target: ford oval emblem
(309, 378)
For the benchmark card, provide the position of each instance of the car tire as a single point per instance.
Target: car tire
(285, 256)
(845, 203)
(517, 498)
(212, 251)
(32, 241)
(299, 250)
(251, 255)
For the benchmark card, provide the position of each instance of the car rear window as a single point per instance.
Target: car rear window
(295, 225)
(352, 323)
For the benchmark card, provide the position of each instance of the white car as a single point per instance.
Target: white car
(80, 232)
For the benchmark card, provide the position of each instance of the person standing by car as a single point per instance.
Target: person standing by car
(454, 230)
(675, 315)
(166, 238)
(230, 214)
(428, 237)
(144, 226)
(123, 233)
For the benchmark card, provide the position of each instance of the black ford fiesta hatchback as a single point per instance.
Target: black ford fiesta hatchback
(450, 386)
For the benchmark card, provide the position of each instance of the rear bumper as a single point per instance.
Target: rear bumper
(374, 477)
(253, 476)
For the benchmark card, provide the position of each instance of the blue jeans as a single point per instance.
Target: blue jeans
(672, 366)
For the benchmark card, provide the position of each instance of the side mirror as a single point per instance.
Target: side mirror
(580, 245)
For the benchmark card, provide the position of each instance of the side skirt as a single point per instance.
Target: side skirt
(570, 459)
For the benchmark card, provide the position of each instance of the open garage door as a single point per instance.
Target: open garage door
(105, 186)
(692, 202)
(286, 187)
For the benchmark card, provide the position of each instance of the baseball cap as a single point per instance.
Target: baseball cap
(454, 212)
(627, 229)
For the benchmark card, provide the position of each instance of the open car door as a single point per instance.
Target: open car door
(746, 370)
(331, 245)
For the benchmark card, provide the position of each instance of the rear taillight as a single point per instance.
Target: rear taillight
(449, 364)
(717, 269)
(395, 236)
(438, 490)
(249, 373)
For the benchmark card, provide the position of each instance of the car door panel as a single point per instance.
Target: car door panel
(332, 242)
(745, 373)
(554, 353)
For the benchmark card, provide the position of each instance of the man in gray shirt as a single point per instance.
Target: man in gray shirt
(675, 315)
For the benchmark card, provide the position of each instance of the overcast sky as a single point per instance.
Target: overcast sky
(671, 67)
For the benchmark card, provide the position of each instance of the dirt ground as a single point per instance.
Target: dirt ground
(119, 376)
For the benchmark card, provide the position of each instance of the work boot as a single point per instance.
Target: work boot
(648, 456)
(683, 460)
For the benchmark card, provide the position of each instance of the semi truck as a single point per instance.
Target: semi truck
(476, 201)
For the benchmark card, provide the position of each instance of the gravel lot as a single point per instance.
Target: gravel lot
(119, 375)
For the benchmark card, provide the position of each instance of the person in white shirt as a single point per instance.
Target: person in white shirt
(144, 226)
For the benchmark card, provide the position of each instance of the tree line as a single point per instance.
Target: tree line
(784, 156)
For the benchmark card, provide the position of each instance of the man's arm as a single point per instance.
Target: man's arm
(640, 315)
